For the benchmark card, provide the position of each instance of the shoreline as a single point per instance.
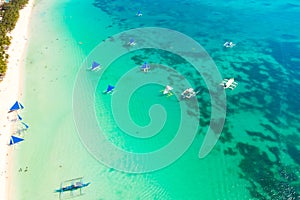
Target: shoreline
(11, 91)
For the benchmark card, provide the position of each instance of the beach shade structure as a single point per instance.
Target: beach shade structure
(16, 106)
(26, 126)
(109, 89)
(145, 67)
(95, 66)
(19, 117)
(167, 91)
(15, 140)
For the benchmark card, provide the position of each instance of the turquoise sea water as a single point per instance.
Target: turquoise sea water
(257, 156)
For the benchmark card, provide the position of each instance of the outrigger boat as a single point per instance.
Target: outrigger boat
(139, 13)
(131, 42)
(19, 117)
(188, 93)
(71, 186)
(145, 67)
(109, 90)
(229, 44)
(229, 83)
(167, 91)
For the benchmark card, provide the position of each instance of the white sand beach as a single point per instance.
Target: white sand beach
(10, 91)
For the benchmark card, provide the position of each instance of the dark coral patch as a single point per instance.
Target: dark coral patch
(230, 151)
(271, 129)
(294, 152)
(260, 135)
(275, 152)
(262, 173)
(226, 137)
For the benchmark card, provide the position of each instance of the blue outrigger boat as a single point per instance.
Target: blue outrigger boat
(71, 186)
(95, 66)
(145, 67)
(110, 89)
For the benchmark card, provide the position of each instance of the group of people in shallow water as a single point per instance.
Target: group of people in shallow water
(25, 170)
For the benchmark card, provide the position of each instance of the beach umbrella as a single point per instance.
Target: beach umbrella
(15, 140)
(26, 126)
(131, 42)
(19, 117)
(16, 106)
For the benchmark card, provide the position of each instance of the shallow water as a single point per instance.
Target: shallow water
(257, 156)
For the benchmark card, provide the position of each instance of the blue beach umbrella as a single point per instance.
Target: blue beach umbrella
(19, 117)
(15, 140)
(16, 106)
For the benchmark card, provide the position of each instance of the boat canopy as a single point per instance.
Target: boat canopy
(167, 89)
(145, 66)
(95, 65)
(110, 88)
(139, 13)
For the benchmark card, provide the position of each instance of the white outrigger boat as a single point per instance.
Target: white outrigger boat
(229, 44)
(188, 93)
(167, 91)
(229, 83)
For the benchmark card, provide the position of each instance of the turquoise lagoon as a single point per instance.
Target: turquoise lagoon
(257, 156)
